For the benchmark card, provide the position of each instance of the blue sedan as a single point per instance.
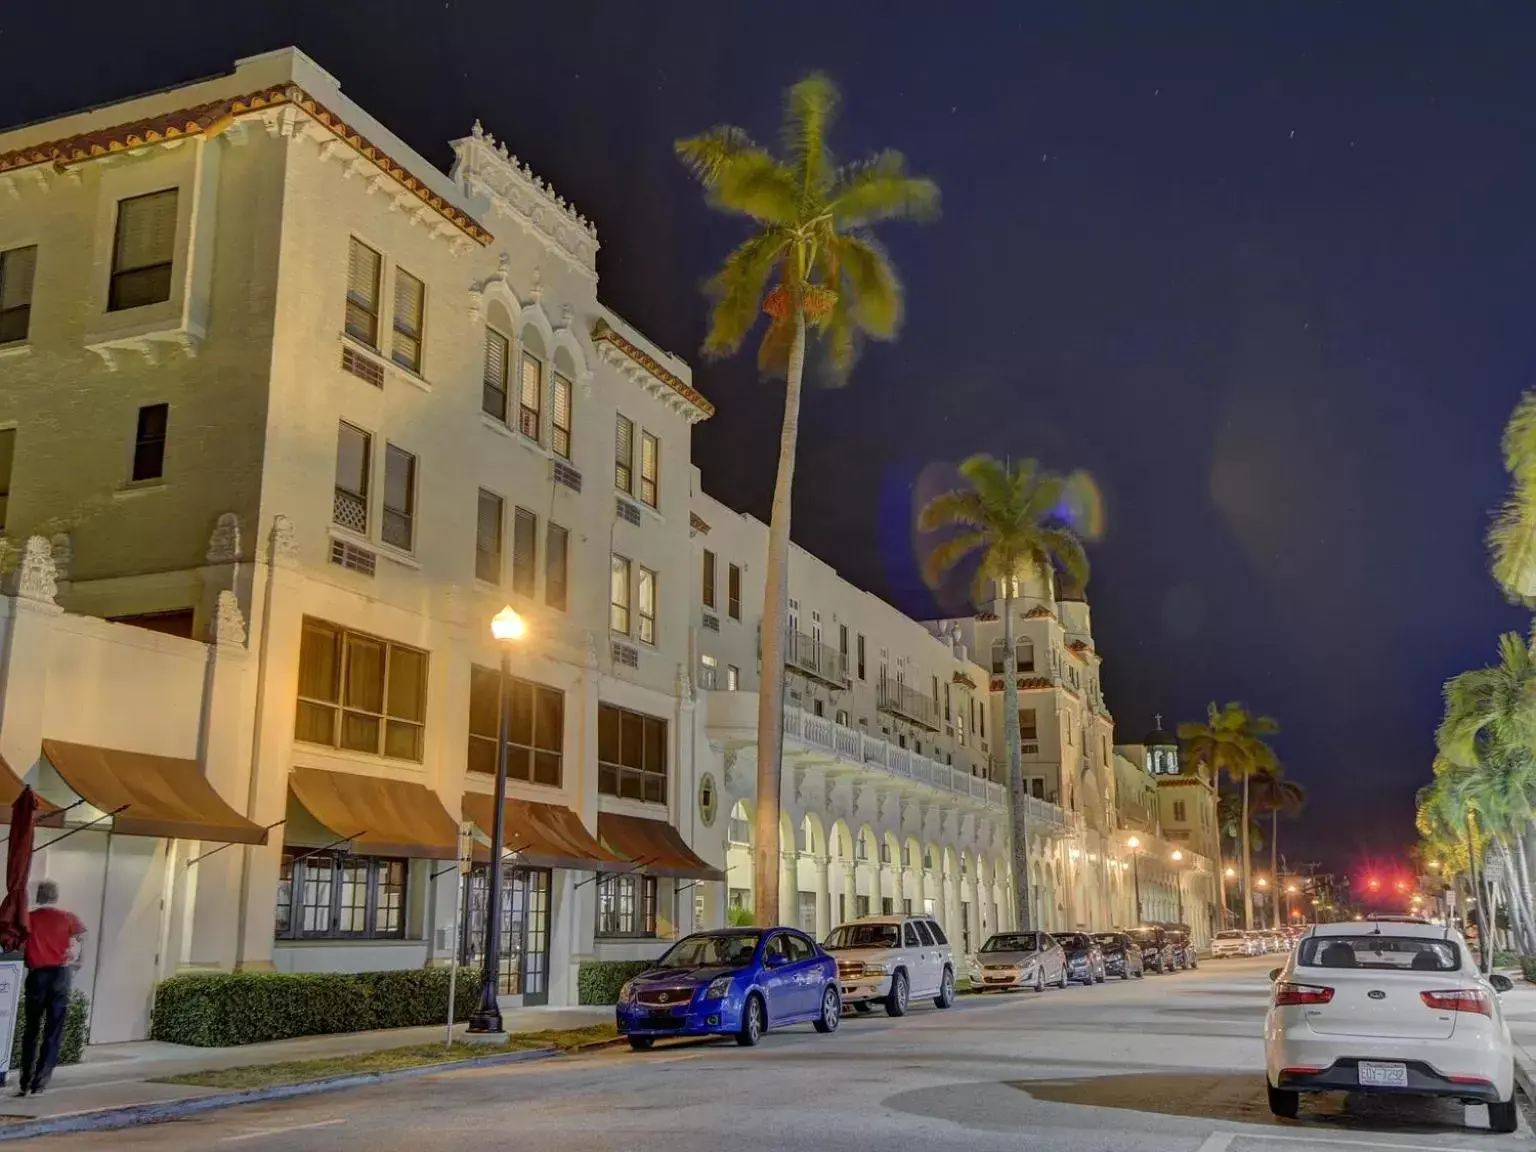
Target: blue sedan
(736, 982)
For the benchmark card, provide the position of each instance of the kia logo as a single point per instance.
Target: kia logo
(1376, 994)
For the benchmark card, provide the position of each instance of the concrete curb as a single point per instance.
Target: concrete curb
(1525, 1072)
(135, 1115)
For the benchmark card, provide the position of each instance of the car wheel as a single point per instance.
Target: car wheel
(1141, 973)
(1064, 981)
(896, 1002)
(751, 1022)
(1283, 1103)
(1125, 971)
(1040, 980)
(862, 1007)
(642, 1043)
(831, 1011)
(946, 996)
(1504, 1116)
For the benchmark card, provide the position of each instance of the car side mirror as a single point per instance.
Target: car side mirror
(1274, 974)
(774, 960)
(1501, 983)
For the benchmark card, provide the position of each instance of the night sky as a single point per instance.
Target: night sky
(1264, 271)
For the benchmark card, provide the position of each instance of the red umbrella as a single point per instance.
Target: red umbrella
(18, 868)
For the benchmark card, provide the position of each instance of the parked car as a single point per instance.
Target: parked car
(1122, 955)
(736, 982)
(1233, 942)
(1010, 960)
(1261, 943)
(1085, 962)
(1156, 948)
(1392, 1008)
(1185, 954)
(890, 960)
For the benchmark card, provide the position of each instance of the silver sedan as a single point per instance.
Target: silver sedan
(1011, 960)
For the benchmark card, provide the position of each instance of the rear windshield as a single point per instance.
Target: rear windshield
(1110, 939)
(864, 936)
(1389, 953)
(1072, 939)
(1014, 943)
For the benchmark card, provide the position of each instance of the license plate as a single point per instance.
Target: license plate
(1377, 1075)
(999, 979)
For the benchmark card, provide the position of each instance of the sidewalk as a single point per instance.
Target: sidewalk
(120, 1075)
(1520, 1014)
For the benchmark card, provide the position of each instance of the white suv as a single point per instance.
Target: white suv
(892, 959)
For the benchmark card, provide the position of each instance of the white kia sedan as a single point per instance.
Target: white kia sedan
(1388, 1008)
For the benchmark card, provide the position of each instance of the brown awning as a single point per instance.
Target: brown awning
(379, 815)
(543, 835)
(10, 788)
(164, 796)
(654, 845)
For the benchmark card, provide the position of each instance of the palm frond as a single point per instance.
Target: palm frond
(773, 352)
(868, 282)
(950, 510)
(738, 290)
(1067, 550)
(754, 184)
(707, 154)
(881, 189)
(948, 554)
(810, 106)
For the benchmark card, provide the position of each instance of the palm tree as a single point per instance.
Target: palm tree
(811, 263)
(1005, 517)
(1277, 796)
(1512, 538)
(1231, 741)
(1229, 818)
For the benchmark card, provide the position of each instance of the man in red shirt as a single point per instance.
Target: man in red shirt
(51, 935)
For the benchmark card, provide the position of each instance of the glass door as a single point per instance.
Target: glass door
(523, 969)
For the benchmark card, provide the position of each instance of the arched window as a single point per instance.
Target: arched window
(498, 358)
(530, 386)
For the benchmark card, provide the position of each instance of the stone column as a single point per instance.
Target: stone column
(789, 885)
(23, 678)
(850, 885)
(823, 897)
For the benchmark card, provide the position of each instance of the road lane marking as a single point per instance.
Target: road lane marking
(1217, 1142)
(255, 1132)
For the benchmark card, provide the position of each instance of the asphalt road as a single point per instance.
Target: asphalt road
(1170, 1064)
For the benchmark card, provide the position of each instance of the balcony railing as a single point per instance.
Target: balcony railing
(896, 699)
(815, 658)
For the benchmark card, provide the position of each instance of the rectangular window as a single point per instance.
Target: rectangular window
(354, 459)
(733, 592)
(143, 250)
(410, 305)
(709, 578)
(842, 647)
(709, 672)
(732, 678)
(340, 897)
(530, 397)
(631, 755)
(525, 552)
(493, 387)
(861, 655)
(624, 454)
(860, 906)
(7, 459)
(488, 538)
(1178, 811)
(1028, 729)
(149, 442)
(18, 267)
(399, 497)
(560, 418)
(361, 693)
(618, 596)
(626, 906)
(650, 466)
(647, 606)
(363, 266)
(535, 727)
(557, 566)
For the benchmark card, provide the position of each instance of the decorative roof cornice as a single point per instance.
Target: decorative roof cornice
(209, 120)
(964, 678)
(985, 617)
(1039, 612)
(1026, 683)
(648, 371)
(487, 168)
(698, 523)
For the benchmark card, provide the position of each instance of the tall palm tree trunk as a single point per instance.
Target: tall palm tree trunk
(1017, 793)
(1274, 868)
(1221, 880)
(770, 692)
(1479, 896)
(1247, 859)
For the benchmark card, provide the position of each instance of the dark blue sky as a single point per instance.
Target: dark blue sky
(1263, 270)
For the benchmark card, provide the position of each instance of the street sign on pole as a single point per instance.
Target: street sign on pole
(466, 847)
(453, 963)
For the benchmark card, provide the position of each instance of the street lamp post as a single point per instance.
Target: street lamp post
(507, 626)
(1178, 879)
(1134, 843)
(1228, 873)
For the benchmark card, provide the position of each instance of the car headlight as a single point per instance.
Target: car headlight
(877, 969)
(627, 993)
(718, 988)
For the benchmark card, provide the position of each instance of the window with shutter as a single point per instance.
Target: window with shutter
(647, 605)
(149, 442)
(399, 497)
(624, 454)
(733, 592)
(709, 578)
(353, 456)
(410, 303)
(560, 418)
(525, 549)
(530, 396)
(488, 538)
(17, 269)
(556, 566)
(493, 395)
(363, 293)
(618, 595)
(650, 464)
(143, 251)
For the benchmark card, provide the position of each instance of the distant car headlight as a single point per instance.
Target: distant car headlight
(718, 988)
(627, 993)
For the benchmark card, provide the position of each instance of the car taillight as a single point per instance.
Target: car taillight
(1288, 994)
(1459, 1000)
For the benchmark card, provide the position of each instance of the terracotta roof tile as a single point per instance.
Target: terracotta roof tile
(604, 332)
(1039, 612)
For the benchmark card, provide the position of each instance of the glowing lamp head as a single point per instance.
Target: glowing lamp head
(1176, 856)
(1133, 842)
(1231, 872)
(508, 625)
(1291, 888)
(1262, 882)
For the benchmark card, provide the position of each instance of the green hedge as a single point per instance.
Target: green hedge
(1528, 968)
(599, 981)
(222, 1009)
(75, 1025)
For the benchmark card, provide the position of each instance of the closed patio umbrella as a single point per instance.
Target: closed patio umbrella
(18, 868)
